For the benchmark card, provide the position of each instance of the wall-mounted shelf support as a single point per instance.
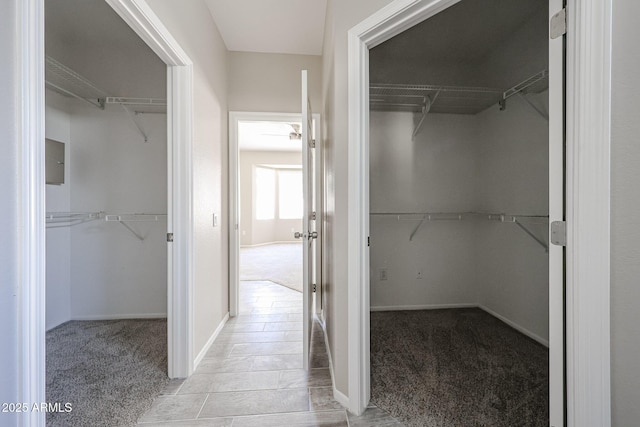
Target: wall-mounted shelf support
(135, 217)
(126, 102)
(534, 84)
(519, 220)
(426, 107)
(132, 115)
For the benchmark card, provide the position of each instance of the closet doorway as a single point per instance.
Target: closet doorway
(465, 153)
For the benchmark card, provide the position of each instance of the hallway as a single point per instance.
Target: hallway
(252, 375)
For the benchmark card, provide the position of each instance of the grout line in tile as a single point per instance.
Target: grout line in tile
(203, 403)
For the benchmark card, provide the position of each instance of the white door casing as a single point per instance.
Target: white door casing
(139, 16)
(235, 118)
(556, 213)
(587, 204)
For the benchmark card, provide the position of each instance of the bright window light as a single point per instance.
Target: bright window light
(290, 197)
(265, 193)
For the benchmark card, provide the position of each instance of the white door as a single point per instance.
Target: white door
(309, 233)
(556, 213)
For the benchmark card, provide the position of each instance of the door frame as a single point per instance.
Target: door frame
(31, 326)
(234, 190)
(144, 22)
(588, 142)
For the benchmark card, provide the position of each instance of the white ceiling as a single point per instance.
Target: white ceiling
(267, 136)
(271, 26)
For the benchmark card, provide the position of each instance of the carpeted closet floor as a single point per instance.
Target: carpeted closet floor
(457, 368)
(109, 371)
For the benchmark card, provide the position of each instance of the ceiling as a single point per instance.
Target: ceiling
(451, 48)
(271, 26)
(91, 39)
(267, 136)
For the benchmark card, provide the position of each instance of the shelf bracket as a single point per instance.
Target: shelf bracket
(534, 106)
(415, 230)
(533, 236)
(128, 227)
(428, 102)
(132, 115)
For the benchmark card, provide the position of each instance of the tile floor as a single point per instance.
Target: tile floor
(253, 376)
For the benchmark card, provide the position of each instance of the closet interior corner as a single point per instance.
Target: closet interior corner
(459, 217)
(106, 220)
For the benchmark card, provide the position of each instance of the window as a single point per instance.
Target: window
(290, 198)
(265, 193)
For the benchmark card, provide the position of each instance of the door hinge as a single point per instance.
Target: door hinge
(558, 24)
(169, 237)
(314, 287)
(368, 241)
(313, 216)
(558, 235)
(312, 143)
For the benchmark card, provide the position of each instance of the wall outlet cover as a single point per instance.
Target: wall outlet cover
(383, 274)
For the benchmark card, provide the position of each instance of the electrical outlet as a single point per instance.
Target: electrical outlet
(420, 275)
(383, 274)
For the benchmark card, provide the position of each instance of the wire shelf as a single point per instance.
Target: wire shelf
(65, 81)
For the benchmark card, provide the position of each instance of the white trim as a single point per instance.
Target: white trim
(516, 326)
(128, 316)
(556, 213)
(340, 397)
(382, 25)
(210, 342)
(141, 18)
(31, 297)
(234, 189)
(588, 209)
(422, 307)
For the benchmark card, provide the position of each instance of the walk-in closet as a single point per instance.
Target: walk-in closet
(106, 203)
(459, 190)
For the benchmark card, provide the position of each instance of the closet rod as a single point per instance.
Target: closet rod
(519, 220)
(68, 219)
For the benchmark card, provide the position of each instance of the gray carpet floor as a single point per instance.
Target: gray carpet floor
(280, 263)
(110, 371)
(457, 368)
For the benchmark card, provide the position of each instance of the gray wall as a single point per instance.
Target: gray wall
(252, 231)
(341, 17)
(270, 82)
(58, 199)
(435, 172)
(192, 26)
(625, 202)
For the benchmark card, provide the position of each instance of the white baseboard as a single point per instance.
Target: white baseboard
(210, 342)
(120, 316)
(337, 394)
(515, 326)
(421, 307)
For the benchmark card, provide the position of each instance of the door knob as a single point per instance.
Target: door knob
(313, 235)
(297, 234)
